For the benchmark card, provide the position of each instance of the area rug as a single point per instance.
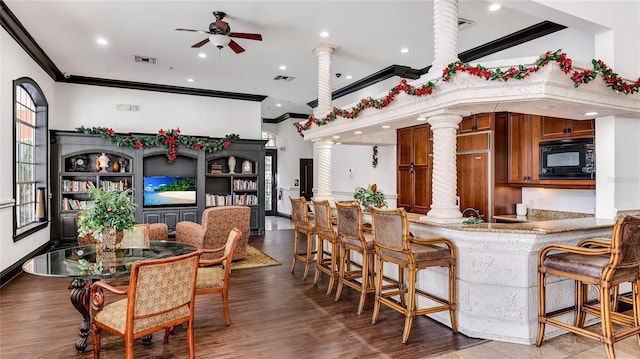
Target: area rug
(254, 258)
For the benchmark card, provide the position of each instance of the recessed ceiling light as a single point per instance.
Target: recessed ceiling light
(278, 105)
(404, 50)
(283, 67)
(386, 126)
(189, 80)
(358, 132)
(336, 137)
(494, 7)
(324, 34)
(202, 54)
(102, 41)
(421, 118)
(349, 77)
(338, 143)
(592, 113)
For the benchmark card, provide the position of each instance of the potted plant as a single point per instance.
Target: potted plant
(107, 216)
(370, 196)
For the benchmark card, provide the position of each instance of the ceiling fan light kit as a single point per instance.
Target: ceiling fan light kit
(219, 40)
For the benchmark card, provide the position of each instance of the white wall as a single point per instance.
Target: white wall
(295, 148)
(567, 200)
(351, 167)
(89, 106)
(14, 64)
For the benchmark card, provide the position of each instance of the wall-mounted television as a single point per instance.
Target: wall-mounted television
(163, 191)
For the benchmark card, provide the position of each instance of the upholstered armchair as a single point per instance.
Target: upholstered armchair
(217, 222)
(160, 296)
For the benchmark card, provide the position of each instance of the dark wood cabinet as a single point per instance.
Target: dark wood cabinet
(553, 128)
(73, 158)
(523, 139)
(414, 162)
(477, 122)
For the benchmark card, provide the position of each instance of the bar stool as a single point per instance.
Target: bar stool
(326, 262)
(394, 244)
(352, 238)
(603, 264)
(300, 217)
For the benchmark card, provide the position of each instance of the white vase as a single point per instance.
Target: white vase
(232, 164)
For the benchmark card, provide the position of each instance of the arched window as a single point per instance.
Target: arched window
(30, 158)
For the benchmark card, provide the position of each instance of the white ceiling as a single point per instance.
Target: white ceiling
(369, 34)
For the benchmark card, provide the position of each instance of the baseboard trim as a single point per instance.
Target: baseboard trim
(16, 268)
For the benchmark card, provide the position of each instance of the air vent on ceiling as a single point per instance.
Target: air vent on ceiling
(284, 78)
(464, 23)
(145, 60)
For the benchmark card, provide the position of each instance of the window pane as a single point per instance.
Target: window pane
(25, 172)
(25, 153)
(26, 134)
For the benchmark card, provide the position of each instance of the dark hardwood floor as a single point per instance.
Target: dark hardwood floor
(273, 314)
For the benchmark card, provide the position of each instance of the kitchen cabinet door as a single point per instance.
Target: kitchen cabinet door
(523, 161)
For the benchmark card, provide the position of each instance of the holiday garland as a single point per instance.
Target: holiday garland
(170, 139)
(612, 80)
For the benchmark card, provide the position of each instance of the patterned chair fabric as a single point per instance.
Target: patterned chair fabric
(393, 243)
(217, 222)
(603, 264)
(215, 279)
(160, 295)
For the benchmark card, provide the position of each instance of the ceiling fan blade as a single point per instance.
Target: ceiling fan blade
(222, 25)
(244, 35)
(191, 30)
(235, 47)
(199, 44)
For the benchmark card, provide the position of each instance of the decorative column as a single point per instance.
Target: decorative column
(324, 52)
(324, 149)
(444, 181)
(445, 34)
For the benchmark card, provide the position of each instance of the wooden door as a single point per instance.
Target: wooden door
(519, 148)
(466, 125)
(483, 121)
(306, 178)
(414, 168)
(473, 182)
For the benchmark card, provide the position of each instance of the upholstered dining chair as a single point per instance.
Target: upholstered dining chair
(300, 218)
(601, 263)
(326, 261)
(215, 279)
(160, 296)
(394, 244)
(353, 239)
(214, 229)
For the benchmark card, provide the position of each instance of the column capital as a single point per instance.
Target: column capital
(444, 120)
(324, 49)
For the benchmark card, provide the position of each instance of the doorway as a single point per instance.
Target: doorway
(306, 178)
(270, 175)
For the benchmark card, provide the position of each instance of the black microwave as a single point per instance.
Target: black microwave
(568, 159)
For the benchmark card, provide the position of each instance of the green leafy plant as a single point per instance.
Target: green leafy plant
(108, 209)
(472, 220)
(370, 196)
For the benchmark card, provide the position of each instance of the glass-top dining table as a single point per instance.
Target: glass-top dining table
(87, 264)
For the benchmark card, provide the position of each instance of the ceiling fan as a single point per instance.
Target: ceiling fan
(221, 34)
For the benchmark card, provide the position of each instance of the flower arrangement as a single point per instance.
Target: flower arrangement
(109, 210)
(170, 139)
(370, 196)
(519, 72)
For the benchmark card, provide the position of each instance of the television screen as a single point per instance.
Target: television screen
(162, 191)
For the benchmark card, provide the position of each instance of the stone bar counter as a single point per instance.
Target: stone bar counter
(497, 273)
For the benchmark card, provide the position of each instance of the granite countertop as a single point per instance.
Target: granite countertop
(536, 227)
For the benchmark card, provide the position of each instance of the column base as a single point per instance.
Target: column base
(443, 215)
